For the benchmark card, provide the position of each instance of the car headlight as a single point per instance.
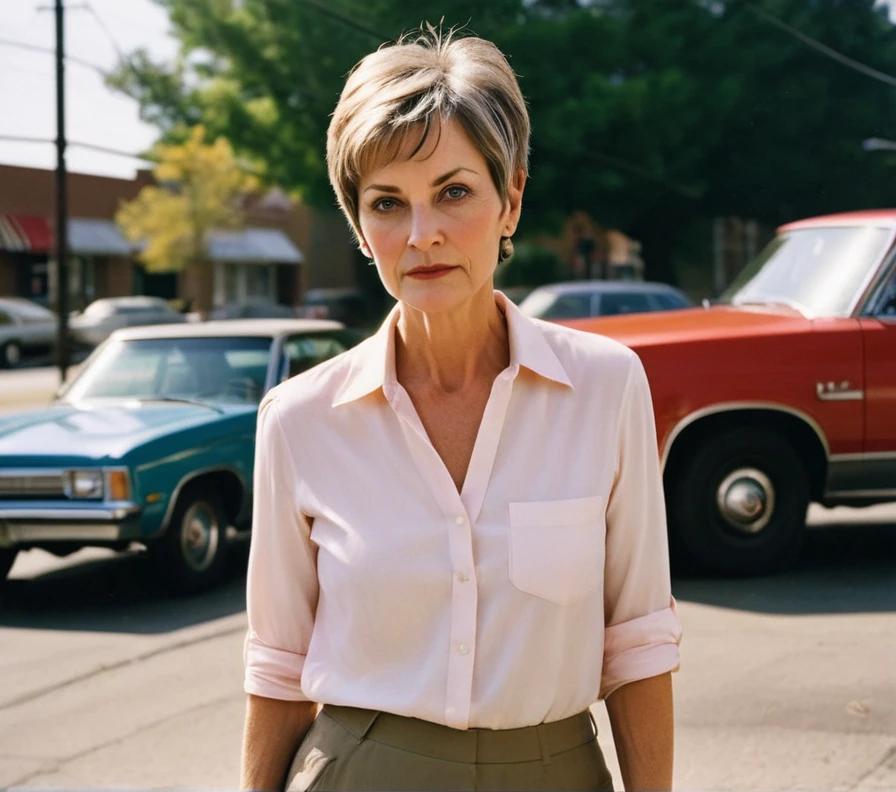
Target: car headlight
(84, 484)
(112, 484)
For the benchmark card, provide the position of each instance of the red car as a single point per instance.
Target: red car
(782, 394)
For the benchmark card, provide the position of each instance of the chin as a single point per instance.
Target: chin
(432, 297)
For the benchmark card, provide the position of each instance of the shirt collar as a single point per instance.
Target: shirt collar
(373, 361)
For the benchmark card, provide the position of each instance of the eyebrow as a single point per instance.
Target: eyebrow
(389, 188)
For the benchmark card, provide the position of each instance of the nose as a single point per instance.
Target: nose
(424, 231)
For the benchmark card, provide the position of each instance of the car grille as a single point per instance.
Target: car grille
(31, 484)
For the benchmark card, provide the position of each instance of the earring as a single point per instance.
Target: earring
(371, 263)
(505, 251)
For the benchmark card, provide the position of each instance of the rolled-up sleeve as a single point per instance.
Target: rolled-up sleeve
(282, 587)
(642, 630)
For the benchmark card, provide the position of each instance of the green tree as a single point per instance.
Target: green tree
(648, 115)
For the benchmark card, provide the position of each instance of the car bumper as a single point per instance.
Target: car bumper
(24, 525)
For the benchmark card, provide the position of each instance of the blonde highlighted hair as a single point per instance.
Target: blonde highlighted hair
(406, 87)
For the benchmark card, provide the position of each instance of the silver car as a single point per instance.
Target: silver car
(103, 316)
(25, 327)
(581, 299)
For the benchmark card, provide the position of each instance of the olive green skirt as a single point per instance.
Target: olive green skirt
(348, 748)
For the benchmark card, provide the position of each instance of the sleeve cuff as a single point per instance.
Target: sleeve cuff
(272, 673)
(640, 648)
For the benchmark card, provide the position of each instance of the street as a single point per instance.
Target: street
(786, 682)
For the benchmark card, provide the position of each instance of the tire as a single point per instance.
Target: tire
(738, 505)
(11, 354)
(192, 554)
(7, 559)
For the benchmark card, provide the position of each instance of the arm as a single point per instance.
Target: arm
(273, 731)
(642, 630)
(641, 717)
(281, 599)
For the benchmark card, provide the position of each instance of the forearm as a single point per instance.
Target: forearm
(643, 732)
(273, 731)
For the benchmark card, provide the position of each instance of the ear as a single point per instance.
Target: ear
(365, 248)
(514, 202)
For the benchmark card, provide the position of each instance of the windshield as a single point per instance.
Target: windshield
(818, 271)
(209, 369)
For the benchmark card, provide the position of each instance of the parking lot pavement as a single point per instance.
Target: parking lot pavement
(786, 681)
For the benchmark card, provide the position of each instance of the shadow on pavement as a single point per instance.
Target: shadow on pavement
(842, 569)
(118, 594)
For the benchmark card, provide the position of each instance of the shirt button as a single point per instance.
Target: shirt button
(460, 519)
(462, 577)
(463, 649)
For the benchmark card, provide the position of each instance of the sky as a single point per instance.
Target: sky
(94, 113)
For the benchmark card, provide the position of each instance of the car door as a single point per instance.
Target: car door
(879, 343)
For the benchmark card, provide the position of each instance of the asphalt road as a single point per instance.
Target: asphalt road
(786, 682)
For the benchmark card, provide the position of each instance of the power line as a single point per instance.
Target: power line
(49, 50)
(842, 59)
(89, 146)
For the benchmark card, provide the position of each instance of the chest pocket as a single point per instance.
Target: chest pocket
(557, 547)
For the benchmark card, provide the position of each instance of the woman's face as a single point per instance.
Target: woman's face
(433, 223)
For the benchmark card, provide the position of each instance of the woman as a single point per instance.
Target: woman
(459, 537)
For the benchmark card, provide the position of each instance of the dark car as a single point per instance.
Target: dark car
(584, 299)
(348, 306)
(153, 443)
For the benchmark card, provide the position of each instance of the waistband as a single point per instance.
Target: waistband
(526, 744)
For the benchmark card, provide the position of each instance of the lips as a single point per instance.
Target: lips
(430, 273)
(432, 270)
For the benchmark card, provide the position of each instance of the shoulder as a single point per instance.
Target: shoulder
(586, 356)
(313, 391)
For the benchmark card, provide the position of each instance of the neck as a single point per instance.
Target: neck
(453, 350)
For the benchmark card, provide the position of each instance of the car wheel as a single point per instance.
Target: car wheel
(7, 559)
(11, 354)
(738, 505)
(191, 555)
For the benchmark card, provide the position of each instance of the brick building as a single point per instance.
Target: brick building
(285, 247)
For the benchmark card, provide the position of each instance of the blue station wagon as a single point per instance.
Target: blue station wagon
(153, 442)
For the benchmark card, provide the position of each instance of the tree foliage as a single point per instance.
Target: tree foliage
(646, 114)
(199, 188)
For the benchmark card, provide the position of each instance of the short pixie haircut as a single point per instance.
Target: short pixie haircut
(405, 88)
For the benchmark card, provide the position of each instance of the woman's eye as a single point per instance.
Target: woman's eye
(384, 204)
(456, 192)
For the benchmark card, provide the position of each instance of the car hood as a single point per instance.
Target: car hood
(694, 324)
(94, 431)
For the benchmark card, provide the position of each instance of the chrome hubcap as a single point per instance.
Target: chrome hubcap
(199, 536)
(746, 500)
(13, 354)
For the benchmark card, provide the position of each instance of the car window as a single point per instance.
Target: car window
(5, 318)
(666, 301)
(231, 369)
(30, 312)
(886, 303)
(623, 303)
(304, 352)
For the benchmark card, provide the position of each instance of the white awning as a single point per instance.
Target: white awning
(88, 236)
(259, 245)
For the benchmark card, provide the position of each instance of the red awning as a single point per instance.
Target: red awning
(25, 233)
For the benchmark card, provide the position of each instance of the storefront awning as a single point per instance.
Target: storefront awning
(89, 236)
(25, 233)
(253, 245)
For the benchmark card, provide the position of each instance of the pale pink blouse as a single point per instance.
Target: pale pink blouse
(541, 587)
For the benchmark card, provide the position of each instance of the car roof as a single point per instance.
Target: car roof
(227, 328)
(21, 302)
(876, 217)
(591, 286)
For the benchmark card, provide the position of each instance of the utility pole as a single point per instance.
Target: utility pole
(61, 235)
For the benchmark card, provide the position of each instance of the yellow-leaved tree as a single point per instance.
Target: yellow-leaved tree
(199, 187)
